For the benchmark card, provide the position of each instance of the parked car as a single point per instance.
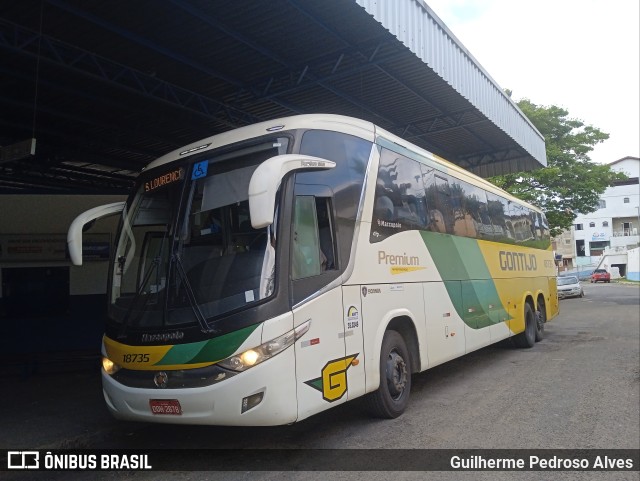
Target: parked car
(569, 286)
(600, 275)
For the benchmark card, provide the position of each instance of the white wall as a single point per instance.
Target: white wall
(52, 214)
(628, 165)
(615, 208)
(633, 264)
(46, 214)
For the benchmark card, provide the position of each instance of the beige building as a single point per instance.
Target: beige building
(564, 248)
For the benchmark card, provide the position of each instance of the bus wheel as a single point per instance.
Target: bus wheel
(527, 338)
(392, 397)
(541, 319)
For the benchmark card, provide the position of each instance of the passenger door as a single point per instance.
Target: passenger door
(320, 354)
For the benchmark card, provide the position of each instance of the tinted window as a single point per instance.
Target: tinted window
(400, 198)
(351, 155)
(497, 210)
(520, 226)
(469, 209)
(449, 206)
(439, 201)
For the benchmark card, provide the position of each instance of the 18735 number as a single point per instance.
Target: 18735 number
(129, 358)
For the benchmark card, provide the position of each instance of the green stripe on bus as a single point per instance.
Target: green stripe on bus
(212, 350)
(181, 353)
(467, 279)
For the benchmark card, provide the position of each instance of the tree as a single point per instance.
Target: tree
(571, 183)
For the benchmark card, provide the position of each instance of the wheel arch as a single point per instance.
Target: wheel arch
(540, 298)
(527, 298)
(526, 338)
(401, 321)
(405, 326)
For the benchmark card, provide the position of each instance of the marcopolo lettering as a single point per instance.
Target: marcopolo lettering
(517, 261)
(397, 260)
(163, 336)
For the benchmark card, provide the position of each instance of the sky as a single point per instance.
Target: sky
(581, 55)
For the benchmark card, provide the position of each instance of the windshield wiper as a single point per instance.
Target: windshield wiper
(125, 322)
(191, 296)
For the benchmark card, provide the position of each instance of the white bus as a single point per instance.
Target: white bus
(271, 272)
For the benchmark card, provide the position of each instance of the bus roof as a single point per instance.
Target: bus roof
(349, 125)
(341, 123)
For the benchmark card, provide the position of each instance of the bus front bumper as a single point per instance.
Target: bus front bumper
(217, 404)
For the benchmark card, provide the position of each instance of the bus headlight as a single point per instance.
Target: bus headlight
(109, 366)
(256, 355)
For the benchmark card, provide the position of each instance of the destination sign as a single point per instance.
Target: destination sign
(162, 180)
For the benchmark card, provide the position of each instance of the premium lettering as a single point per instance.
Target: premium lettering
(397, 260)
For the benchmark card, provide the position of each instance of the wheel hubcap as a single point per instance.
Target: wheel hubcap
(396, 374)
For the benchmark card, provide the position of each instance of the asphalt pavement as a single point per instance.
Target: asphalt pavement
(577, 389)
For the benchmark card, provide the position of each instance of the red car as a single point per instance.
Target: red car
(600, 275)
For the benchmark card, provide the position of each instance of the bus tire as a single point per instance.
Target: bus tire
(392, 397)
(527, 338)
(541, 319)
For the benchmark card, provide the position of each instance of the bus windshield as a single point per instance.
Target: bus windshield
(187, 251)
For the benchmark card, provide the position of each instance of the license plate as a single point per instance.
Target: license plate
(165, 406)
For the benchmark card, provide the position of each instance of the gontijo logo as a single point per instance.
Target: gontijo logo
(517, 261)
(333, 382)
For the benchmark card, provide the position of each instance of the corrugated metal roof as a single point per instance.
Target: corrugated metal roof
(119, 83)
(418, 27)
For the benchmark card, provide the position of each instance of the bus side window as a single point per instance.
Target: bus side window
(306, 258)
(444, 203)
(326, 234)
(313, 237)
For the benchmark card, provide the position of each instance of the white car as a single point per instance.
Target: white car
(569, 286)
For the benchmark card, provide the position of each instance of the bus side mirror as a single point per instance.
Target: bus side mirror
(266, 180)
(74, 234)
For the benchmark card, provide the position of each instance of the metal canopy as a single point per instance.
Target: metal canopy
(106, 87)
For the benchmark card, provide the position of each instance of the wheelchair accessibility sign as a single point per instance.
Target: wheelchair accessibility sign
(200, 170)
